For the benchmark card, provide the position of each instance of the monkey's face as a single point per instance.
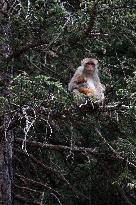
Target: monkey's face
(90, 67)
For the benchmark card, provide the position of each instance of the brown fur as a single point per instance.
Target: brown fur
(81, 78)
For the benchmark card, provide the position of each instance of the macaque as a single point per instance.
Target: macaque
(86, 80)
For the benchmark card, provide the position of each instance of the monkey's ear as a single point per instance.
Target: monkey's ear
(83, 62)
(95, 61)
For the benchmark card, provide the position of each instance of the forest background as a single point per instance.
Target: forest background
(52, 151)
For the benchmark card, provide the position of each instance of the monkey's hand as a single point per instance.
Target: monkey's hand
(87, 91)
(81, 79)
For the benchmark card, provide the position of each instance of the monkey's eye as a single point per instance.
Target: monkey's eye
(91, 63)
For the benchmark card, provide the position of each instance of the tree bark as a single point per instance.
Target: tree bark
(6, 144)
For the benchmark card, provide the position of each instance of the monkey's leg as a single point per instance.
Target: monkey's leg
(87, 91)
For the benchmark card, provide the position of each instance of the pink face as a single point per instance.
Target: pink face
(90, 67)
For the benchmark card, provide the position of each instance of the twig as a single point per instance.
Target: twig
(39, 184)
(122, 193)
(57, 173)
(23, 199)
(91, 151)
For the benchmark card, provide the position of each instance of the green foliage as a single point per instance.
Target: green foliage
(48, 41)
(31, 90)
(128, 94)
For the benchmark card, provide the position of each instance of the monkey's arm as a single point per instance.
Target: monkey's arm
(80, 79)
(75, 82)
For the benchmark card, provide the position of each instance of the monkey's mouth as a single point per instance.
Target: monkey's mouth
(90, 70)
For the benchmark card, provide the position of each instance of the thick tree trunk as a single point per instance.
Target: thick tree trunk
(7, 171)
(1, 162)
(6, 144)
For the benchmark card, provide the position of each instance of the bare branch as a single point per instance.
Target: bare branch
(26, 200)
(122, 193)
(53, 171)
(36, 183)
(95, 153)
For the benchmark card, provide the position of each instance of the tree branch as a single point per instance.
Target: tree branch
(93, 152)
(55, 172)
(39, 184)
(25, 200)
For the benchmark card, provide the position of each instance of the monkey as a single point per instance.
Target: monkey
(86, 81)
